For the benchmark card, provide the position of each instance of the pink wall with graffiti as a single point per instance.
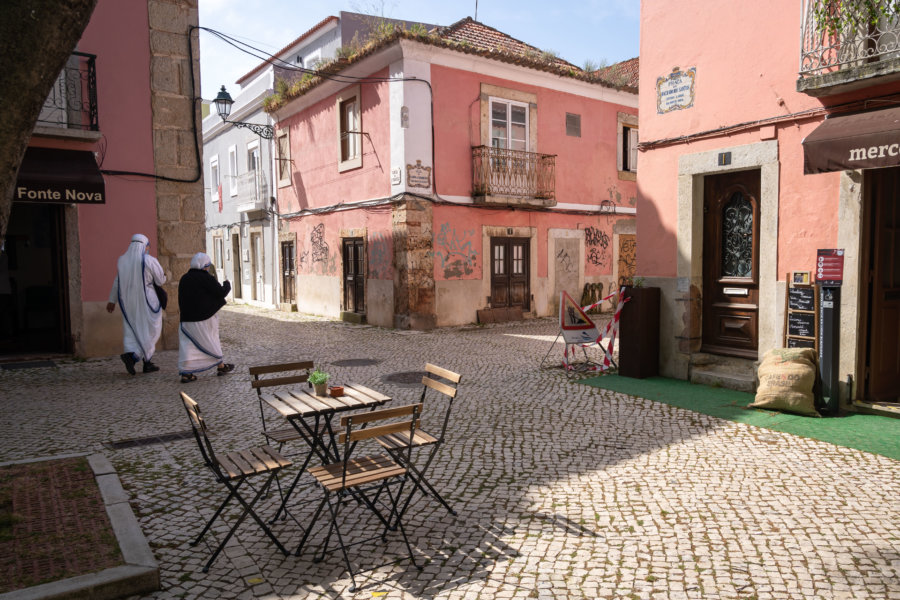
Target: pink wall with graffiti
(315, 179)
(319, 242)
(586, 170)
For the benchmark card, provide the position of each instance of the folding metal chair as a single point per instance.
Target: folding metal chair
(397, 443)
(354, 478)
(233, 470)
(301, 371)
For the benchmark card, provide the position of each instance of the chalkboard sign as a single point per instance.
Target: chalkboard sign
(802, 298)
(801, 313)
(800, 343)
(802, 324)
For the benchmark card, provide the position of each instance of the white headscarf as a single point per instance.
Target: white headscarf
(136, 273)
(200, 261)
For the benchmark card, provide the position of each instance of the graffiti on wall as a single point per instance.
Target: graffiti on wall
(565, 261)
(597, 242)
(318, 244)
(455, 251)
(627, 263)
(380, 255)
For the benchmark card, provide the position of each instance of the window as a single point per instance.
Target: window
(509, 124)
(283, 163)
(626, 154)
(349, 129)
(253, 155)
(573, 125)
(219, 254)
(233, 170)
(214, 192)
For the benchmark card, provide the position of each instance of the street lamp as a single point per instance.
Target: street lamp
(223, 104)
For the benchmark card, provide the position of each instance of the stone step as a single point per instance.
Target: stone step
(717, 376)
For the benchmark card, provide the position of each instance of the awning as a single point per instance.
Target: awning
(60, 177)
(867, 140)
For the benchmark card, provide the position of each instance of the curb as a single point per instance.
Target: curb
(139, 574)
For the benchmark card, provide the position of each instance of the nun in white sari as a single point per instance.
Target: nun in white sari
(132, 290)
(199, 299)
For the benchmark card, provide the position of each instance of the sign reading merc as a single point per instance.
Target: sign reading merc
(857, 154)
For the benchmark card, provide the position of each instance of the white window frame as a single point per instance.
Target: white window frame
(253, 148)
(233, 170)
(626, 123)
(283, 158)
(214, 179)
(353, 159)
(509, 104)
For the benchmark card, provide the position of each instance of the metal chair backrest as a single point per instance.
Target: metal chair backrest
(259, 384)
(198, 425)
(430, 381)
(356, 429)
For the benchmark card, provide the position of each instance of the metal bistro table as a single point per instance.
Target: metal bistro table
(311, 416)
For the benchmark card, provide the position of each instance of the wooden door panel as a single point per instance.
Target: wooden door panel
(731, 263)
(510, 273)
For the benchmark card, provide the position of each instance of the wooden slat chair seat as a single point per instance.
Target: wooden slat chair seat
(233, 469)
(443, 384)
(354, 477)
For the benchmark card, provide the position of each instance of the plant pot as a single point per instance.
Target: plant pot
(321, 389)
(336, 390)
(639, 333)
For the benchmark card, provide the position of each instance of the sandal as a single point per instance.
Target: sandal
(225, 368)
(188, 377)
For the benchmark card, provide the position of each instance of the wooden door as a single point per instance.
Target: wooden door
(510, 264)
(883, 352)
(256, 267)
(236, 265)
(354, 275)
(288, 272)
(731, 264)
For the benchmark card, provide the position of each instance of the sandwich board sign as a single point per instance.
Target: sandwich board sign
(576, 326)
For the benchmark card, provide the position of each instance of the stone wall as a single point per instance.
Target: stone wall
(414, 304)
(179, 204)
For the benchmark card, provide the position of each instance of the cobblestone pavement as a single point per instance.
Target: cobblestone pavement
(563, 490)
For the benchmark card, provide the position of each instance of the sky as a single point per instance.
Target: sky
(600, 31)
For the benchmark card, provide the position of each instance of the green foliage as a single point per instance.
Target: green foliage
(418, 29)
(590, 66)
(833, 16)
(318, 377)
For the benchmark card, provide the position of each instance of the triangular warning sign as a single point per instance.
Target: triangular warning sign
(577, 327)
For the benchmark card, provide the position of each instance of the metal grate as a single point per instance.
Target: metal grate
(356, 362)
(150, 440)
(405, 378)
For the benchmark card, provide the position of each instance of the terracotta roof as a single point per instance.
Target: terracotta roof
(313, 30)
(469, 37)
(624, 73)
(479, 35)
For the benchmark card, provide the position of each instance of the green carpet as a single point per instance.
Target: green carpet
(871, 433)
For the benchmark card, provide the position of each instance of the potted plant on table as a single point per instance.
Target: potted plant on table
(319, 380)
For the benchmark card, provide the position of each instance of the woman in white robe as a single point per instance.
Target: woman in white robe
(132, 290)
(199, 299)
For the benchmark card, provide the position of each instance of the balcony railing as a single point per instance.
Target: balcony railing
(502, 172)
(252, 191)
(854, 46)
(72, 103)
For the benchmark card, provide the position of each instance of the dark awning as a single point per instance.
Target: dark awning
(60, 177)
(867, 140)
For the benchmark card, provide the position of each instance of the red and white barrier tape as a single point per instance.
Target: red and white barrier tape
(611, 329)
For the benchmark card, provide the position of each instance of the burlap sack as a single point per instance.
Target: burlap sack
(786, 380)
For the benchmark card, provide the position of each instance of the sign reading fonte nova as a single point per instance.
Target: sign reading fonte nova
(675, 91)
(49, 175)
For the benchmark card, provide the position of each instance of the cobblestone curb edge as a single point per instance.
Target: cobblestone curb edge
(138, 575)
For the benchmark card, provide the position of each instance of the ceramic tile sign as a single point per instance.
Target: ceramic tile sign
(418, 176)
(675, 91)
(830, 267)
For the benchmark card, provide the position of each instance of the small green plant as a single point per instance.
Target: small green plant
(637, 282)
(318, 377)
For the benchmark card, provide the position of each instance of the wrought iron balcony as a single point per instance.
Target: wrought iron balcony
(498, 172)
(859, 51)
(72, 103)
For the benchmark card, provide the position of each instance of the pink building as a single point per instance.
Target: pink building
(119, 116)
(455, 176)
(746, 173)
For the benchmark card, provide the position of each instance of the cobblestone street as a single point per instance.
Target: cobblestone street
(563, 490)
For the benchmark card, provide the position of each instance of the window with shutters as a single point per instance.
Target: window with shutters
(627, 152)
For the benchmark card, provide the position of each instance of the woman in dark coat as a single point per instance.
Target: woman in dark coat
(199, 299)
